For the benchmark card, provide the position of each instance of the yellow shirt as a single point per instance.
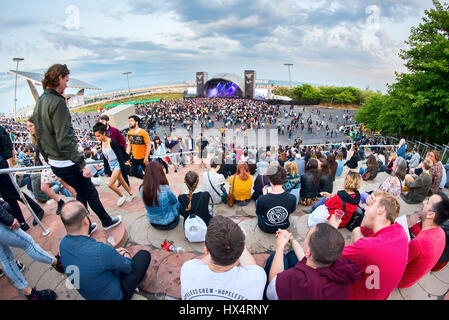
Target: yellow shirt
(242, 189)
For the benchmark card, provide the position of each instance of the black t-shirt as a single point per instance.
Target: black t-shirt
(273, 211)
(200, 202)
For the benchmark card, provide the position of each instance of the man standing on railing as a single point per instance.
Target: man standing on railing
(58, 144)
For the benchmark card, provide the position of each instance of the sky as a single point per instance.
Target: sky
(343, 43)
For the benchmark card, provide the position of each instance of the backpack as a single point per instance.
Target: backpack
(195, 229)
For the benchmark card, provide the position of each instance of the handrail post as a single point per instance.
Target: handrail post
(46, 231)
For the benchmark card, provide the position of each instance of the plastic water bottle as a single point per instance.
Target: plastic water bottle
(111, 240)
(177, 249)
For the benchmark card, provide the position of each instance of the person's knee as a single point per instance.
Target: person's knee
(143, 256)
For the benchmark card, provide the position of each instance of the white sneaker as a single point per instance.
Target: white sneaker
(121, 200)
(130, 197)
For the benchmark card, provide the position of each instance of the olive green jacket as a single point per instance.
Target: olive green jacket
(54, 132)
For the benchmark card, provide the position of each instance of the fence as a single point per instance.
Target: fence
(423, 148)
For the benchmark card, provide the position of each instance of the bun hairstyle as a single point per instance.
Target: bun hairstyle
(191, 179)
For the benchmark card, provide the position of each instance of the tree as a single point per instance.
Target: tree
(419, 100)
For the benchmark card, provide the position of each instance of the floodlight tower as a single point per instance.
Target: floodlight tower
(289, 74)
(15, 87)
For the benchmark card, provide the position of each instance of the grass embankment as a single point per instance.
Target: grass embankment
(166, 96)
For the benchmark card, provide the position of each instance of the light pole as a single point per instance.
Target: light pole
(289, 74)
(15, 87)
(127, 77)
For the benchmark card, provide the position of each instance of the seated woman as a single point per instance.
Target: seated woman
(340, 164)
(347, 199)
(282, 159)
(382, 157)
(293, 180)
(371, 170)
(326, 181)
(333, 165)
(241, 184)
(214, 182)
(261, 181)
(393, 184)
(160, 202)
(416, 187)
(353, 162)
(389, 168)
(310, 183)
(194, 202)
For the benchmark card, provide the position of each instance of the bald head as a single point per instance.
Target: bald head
(72, 215)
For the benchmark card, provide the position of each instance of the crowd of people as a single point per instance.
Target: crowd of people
(276, 180)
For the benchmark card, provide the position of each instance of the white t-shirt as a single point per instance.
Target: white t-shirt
(216, 179)
(198, 282)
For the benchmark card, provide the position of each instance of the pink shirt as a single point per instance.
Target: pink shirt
(382, 258)
(424, 251)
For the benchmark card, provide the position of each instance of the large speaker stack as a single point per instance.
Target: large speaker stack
(201, 79)
(250, 84)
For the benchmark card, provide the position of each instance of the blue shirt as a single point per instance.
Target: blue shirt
(167, 211)
(341, 164)
(401, 151)
(99, 266)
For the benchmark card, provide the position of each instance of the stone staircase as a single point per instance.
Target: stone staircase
(162, 279)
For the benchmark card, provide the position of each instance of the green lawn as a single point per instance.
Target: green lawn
(167, 96)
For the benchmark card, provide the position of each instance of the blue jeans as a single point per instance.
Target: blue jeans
(57, 187)
(19, 239)
(290, 260)
(319, 203)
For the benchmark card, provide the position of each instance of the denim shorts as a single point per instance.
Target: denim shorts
(114, 165)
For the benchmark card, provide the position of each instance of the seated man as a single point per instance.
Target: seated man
(381, 255)
(105, 273)
(417, 187)
(273, 209)
(316, 272)
(429, 241)
(217, 276)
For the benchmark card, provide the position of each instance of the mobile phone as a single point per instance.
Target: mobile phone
(269, 189)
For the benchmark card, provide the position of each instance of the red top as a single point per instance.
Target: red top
(424, 251)
(382, 258)
(335, 203)
(115, 135)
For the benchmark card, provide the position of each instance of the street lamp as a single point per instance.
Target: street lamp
(289, 74)
(15, 87)
(127, 77)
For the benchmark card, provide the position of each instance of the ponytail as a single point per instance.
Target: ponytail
(191, 180)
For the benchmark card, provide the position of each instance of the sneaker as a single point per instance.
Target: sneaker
(24, 226)
(121, 200)
(20, 265)
(60, 204)
(58, 267)
(114, 222)
(93, 228)
(42, 295)
(130, 197)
